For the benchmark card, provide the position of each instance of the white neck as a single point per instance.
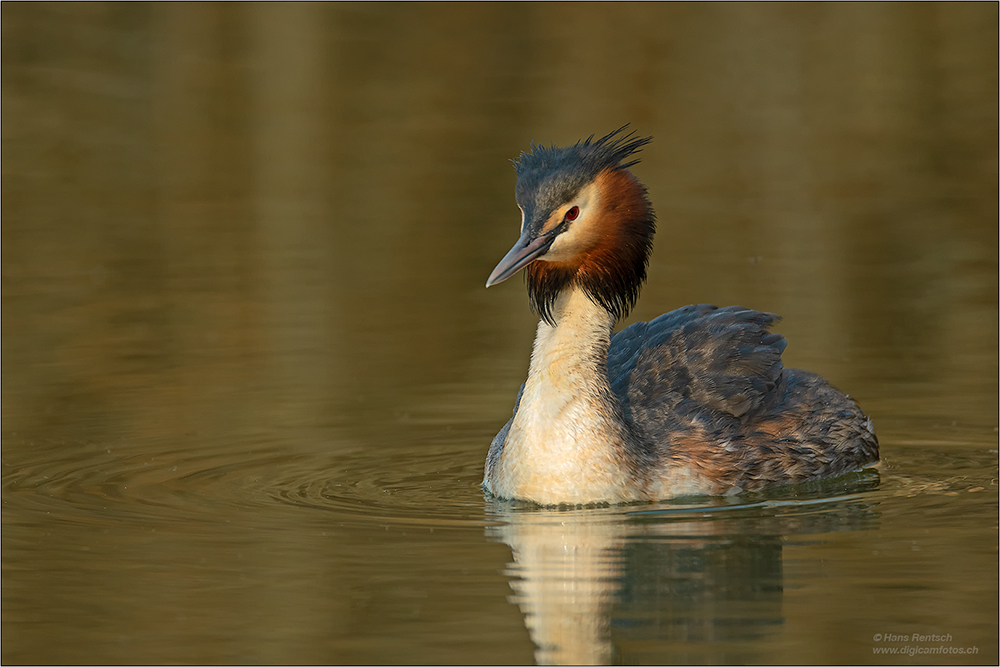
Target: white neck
(565, 444)
(577, 347)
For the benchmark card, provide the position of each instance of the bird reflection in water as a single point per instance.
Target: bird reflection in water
(698, 582)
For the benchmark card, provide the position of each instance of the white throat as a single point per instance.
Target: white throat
(576, 348)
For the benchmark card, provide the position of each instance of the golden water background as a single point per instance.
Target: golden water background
(250, 371)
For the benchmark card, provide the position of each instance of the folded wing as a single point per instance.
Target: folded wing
(697, 361)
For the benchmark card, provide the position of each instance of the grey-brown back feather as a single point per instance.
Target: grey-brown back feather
(721, 363)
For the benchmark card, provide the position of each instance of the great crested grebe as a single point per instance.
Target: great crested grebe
(694, 402)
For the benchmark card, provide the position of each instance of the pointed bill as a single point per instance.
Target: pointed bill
(524, 252)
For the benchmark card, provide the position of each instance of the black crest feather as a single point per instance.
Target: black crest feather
(549, 173)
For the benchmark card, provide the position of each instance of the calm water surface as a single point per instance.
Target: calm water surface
(250, 371)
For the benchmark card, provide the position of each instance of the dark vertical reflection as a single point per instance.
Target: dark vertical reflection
(84, 271)
(699, 601)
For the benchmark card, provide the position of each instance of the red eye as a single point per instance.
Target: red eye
(572, 213)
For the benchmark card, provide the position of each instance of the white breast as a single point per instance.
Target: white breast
(564, 445)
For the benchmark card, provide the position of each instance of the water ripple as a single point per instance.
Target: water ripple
(433, 485)
(439, 487)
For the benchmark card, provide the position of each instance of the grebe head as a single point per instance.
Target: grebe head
(585, 221)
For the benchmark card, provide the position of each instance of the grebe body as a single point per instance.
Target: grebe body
(694, 402)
